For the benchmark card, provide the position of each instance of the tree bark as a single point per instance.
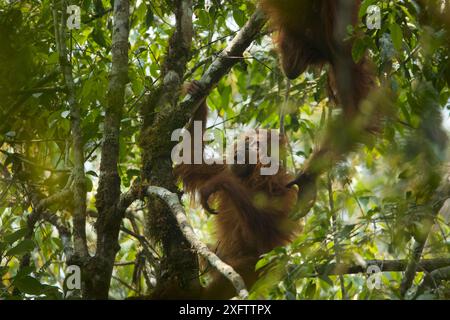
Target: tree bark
(78, 174)
(179, 263)
(99, 270)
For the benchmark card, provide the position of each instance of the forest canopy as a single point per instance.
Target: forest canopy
(92, 90)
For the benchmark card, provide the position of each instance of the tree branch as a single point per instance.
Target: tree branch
(97, 16)
(63, 231)
(108, 193)
(39, 212)
(109, 182)
(41, 90)
(171, 199)
(225, 61)
(433, 279)
(59, 197)
(428, 265)
(127, 198)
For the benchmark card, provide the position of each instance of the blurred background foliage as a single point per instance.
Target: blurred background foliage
(372, 205)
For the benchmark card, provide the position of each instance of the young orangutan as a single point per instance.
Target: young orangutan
(251, 214)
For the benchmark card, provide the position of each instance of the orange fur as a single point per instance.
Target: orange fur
(309, 34)
(314, 33)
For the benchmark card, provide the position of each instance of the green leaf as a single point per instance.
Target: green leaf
(29, 285)
(345, 232)
(262, 263)
(358, 50)
(327, 280)
(310, 290)
(98, 36)
(89, 184)
(239, 17)
(23, 247)
(149, 17)
(25, 271)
